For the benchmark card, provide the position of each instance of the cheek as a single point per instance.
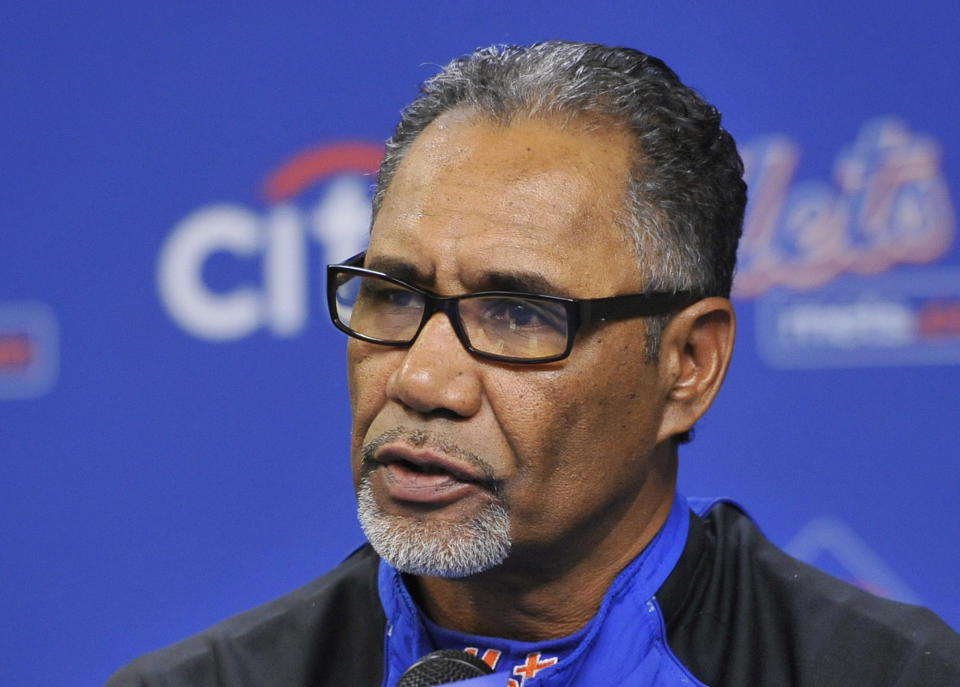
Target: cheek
(367, 375)
(546, 421)
(588, 418)
(557, 435)
(353, 361)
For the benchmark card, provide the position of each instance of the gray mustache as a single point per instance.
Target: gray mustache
(419, 438)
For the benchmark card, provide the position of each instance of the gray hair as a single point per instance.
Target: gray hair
(686, 195)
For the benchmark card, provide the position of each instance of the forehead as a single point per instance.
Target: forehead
(544, 194)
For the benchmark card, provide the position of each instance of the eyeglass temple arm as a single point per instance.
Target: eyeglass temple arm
(636, 305)
(354, 260)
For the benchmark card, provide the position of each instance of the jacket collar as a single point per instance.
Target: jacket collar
(621, 639)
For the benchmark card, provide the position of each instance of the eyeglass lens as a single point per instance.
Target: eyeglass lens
(509, 326)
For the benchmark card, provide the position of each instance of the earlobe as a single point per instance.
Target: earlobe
(694, 356)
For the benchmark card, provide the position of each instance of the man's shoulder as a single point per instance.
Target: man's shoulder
(287, 641)
(755, 615)
(815, 596)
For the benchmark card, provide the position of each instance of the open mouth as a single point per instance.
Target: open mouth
(427, 463)
(426, 478)
(425, 469)
(426, 484)
(409, 471)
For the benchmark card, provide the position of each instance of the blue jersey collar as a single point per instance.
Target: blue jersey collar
(623, 644)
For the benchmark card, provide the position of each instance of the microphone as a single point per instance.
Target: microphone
(443, 667)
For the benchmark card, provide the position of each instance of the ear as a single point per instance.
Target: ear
(695, 352)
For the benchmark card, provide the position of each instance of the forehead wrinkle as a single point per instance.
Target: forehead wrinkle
(514, 210)
(528, 199)
(473, 196)
(453, 144)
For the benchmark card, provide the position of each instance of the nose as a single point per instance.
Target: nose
(437, 373)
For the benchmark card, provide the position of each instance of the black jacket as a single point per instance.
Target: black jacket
(739, 612)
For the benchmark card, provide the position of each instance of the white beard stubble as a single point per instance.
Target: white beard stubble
(436, 548)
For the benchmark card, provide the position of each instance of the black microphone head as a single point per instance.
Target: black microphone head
(442, 667)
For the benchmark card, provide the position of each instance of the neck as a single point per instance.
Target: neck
(549, 590)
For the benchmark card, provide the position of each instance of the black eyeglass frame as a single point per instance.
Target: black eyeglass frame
(581, 312)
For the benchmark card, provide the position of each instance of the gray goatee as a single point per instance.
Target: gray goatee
(437, 548)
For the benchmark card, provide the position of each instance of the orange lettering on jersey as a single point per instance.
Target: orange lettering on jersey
(491, 656)
(533, 666)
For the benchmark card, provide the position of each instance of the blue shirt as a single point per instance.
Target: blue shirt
(624, 644)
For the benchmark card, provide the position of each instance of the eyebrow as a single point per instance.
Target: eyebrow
(514, 281)
(520, 282)
(400, 269)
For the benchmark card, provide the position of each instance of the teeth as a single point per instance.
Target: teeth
(424, 469)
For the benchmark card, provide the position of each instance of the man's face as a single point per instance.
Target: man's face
(565, 448)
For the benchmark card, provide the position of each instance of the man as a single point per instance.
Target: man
(540, 319)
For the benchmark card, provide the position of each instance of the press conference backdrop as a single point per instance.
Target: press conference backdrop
(173, 412)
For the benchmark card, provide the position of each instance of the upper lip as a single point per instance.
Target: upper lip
(428, 459)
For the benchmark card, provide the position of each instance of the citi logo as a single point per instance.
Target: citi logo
(227, 271)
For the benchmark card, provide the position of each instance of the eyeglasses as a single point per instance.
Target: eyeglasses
(499, 325)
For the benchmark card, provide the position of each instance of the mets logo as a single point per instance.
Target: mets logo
(822, 256)
(888, 204)
(226, 270)
(527, 669)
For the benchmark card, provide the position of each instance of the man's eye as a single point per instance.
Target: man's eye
(399, 297)
(515, 314)
(383, 294)
(521, 315)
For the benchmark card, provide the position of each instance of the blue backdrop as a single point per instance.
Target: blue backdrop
(173, 412)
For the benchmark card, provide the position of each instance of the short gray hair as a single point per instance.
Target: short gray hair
(686, 194)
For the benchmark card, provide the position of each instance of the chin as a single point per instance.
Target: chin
(435, 547)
